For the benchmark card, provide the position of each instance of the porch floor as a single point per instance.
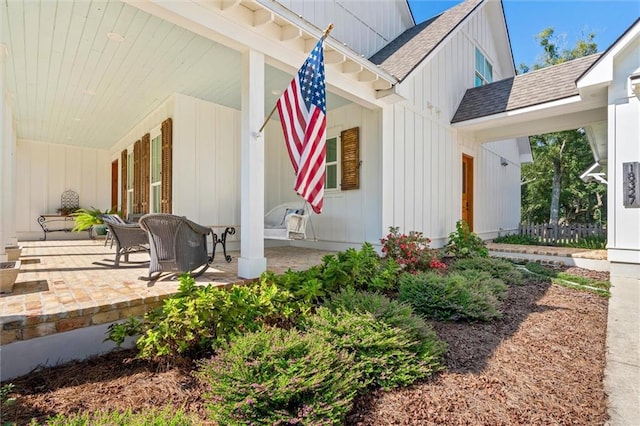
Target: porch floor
(66, 285)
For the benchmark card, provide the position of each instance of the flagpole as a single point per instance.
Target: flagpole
(266, 120)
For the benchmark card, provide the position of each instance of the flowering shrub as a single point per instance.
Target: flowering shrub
(437, 264)
(410, 251)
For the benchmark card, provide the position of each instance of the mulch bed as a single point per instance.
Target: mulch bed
(542, 363)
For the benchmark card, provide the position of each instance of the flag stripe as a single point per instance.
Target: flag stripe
(302, 110)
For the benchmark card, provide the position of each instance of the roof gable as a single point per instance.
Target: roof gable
(601, 71)
(409, 49)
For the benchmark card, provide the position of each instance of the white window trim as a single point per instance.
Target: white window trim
(335, 133)
(155, 134)
(476, 73)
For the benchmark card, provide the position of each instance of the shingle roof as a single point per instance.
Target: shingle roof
(524, 90)
(404, 53)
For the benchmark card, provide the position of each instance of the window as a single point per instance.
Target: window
(331, 178)
(156, 174)
(484, 70)
(130, 182)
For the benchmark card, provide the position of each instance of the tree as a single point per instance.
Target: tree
(552, 187)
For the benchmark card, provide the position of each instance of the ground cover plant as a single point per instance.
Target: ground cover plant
(275, 368)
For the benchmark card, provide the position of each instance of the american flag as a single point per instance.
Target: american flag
(302, 109)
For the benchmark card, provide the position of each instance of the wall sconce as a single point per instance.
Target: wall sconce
(503, 162)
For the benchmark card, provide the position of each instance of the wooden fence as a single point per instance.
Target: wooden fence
(562, 234)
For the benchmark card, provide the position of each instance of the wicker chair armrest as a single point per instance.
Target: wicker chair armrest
(203, 230)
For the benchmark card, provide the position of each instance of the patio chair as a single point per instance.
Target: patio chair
(111, 218)
(177, 245)
(129, 238)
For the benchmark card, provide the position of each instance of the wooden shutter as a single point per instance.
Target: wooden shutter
(350, 158)
(123, 182)
(137, 183)
(145, 171)
(167, 166)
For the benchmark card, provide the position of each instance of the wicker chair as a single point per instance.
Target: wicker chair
(129, 238)
(177, 245)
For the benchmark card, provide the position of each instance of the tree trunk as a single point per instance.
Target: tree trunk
(555, 193)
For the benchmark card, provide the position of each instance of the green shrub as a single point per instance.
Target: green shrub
(517, 239)
(465, 295)
(392, 313)
(497, 268)
(464, 243)
(361, 269)
(277, 377)
(164, 417)
(198, 318)
(387, 356)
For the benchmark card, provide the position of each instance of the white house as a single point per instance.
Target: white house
(156, 105)
(85, 81)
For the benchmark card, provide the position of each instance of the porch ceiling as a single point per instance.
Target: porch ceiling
(69, 83)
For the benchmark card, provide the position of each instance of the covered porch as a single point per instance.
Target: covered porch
(68, 292)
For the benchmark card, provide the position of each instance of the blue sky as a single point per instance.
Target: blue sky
(608, 19)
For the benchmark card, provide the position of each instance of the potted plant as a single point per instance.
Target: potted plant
(87, 218)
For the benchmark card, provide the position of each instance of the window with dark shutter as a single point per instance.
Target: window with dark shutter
(123, 182)
(137, 174)
(350, 158)
(167, 166)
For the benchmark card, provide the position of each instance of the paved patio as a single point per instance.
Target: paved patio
(67, 285)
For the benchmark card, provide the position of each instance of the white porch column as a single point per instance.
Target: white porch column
(387, 169)
(4, 149)
(252, 262)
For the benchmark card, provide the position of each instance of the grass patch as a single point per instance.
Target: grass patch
(537, 271)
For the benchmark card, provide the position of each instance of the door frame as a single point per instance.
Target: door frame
(467, 189)
(114, 184)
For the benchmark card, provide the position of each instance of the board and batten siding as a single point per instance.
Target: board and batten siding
(623, 239)
(365, 26)
(426, 169)
(45, 170)
(348, 217)
(206, 162)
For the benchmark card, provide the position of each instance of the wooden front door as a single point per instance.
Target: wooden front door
(114, 184)
(467, 190)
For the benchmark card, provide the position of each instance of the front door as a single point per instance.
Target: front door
(467, 190)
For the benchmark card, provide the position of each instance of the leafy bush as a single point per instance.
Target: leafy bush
(391, 312)
(386, 356)
(410, 251)
(497, 268)
(278, 377)
(165, 417)
(200, 317)
(361, 269)
(517, 239)
(464, 243)
(465, 295)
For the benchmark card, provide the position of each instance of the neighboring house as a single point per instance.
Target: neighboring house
(166, 118)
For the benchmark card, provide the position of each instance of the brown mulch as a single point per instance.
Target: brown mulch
(542, 363)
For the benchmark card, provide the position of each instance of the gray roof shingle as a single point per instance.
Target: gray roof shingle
(524, 90)
(405, 52)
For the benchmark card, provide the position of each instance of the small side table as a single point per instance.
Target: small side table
(221, 239)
